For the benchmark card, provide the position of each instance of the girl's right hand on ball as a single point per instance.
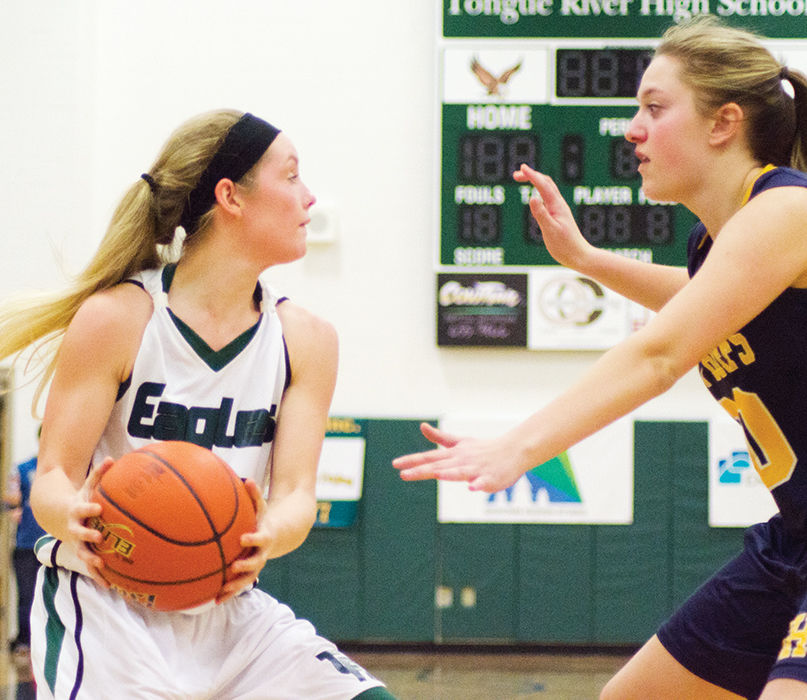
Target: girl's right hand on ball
(80, 516)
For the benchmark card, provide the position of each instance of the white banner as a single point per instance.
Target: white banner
(592, 483)
(737, 496)
(568, 311)
(341, 469)
(340, 475)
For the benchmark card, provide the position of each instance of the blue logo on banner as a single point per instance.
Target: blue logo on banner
(556, 477)
(732, 469)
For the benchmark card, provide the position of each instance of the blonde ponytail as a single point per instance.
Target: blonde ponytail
(140, 236)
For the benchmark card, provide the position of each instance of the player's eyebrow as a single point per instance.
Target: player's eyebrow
(649, 92)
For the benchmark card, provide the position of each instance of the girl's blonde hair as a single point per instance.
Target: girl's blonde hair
(724, 64)
(142, 229)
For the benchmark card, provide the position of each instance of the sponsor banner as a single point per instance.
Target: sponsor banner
(482, 310)
(592, 483)
(340, 474)
(737, 496)
(568, 311)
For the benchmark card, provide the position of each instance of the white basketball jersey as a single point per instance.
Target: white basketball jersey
(180, 389)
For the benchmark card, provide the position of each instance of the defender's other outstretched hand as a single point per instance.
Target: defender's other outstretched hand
(560, 232)
(487, 465)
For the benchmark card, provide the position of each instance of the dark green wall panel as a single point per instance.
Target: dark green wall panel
(480, 559)
(324, 585)
(553, 584)
(374, 580)
(699, 550)
(556, 566)
(633, 562)
(398, 523)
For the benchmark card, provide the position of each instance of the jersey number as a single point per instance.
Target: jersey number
(771, 453)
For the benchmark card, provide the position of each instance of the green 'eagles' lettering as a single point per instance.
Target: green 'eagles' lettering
(205, 426)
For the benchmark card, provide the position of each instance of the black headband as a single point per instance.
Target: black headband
(245, 143)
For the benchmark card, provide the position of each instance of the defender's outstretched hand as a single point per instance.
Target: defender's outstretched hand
(487, 465)
(560, 232)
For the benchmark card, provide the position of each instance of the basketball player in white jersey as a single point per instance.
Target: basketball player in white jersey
(198, 350)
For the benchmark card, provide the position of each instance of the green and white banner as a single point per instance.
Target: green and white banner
(341, 473)
(592, 483)
(612, 18)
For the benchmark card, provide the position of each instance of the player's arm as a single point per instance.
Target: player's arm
(759, 253)
(95, 356)
(650, 285)
(290, 510)
(313, 355)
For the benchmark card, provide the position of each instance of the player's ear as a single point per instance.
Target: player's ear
(227, 196)
(726, 125)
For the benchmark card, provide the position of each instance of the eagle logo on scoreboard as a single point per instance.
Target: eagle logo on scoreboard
(492, 84)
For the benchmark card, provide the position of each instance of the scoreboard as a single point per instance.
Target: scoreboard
(552, 83)
(485, 217)
(571, 126)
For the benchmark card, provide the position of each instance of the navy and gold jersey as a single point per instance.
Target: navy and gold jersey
(759, 375)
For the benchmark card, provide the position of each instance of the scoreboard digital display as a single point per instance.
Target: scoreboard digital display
(599, 72)
(485, 217)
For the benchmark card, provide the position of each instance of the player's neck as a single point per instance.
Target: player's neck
(723, 193)
(216, 300)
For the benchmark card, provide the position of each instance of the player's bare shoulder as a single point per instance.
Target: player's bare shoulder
(124, 308)
(773, 220)
(309, 338)
(114, 319)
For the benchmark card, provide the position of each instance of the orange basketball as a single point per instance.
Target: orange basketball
(172, 518)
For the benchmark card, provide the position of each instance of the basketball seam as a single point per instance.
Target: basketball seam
(159, 458)
(123, 510)
(216, 535)
(172, 582)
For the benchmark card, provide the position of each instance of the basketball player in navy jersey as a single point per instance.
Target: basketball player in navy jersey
(201, 350)
(721, 128)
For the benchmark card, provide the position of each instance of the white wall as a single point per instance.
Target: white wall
(91, 88)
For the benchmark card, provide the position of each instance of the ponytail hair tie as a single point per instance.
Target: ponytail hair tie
(150, 180)
(784, 74)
